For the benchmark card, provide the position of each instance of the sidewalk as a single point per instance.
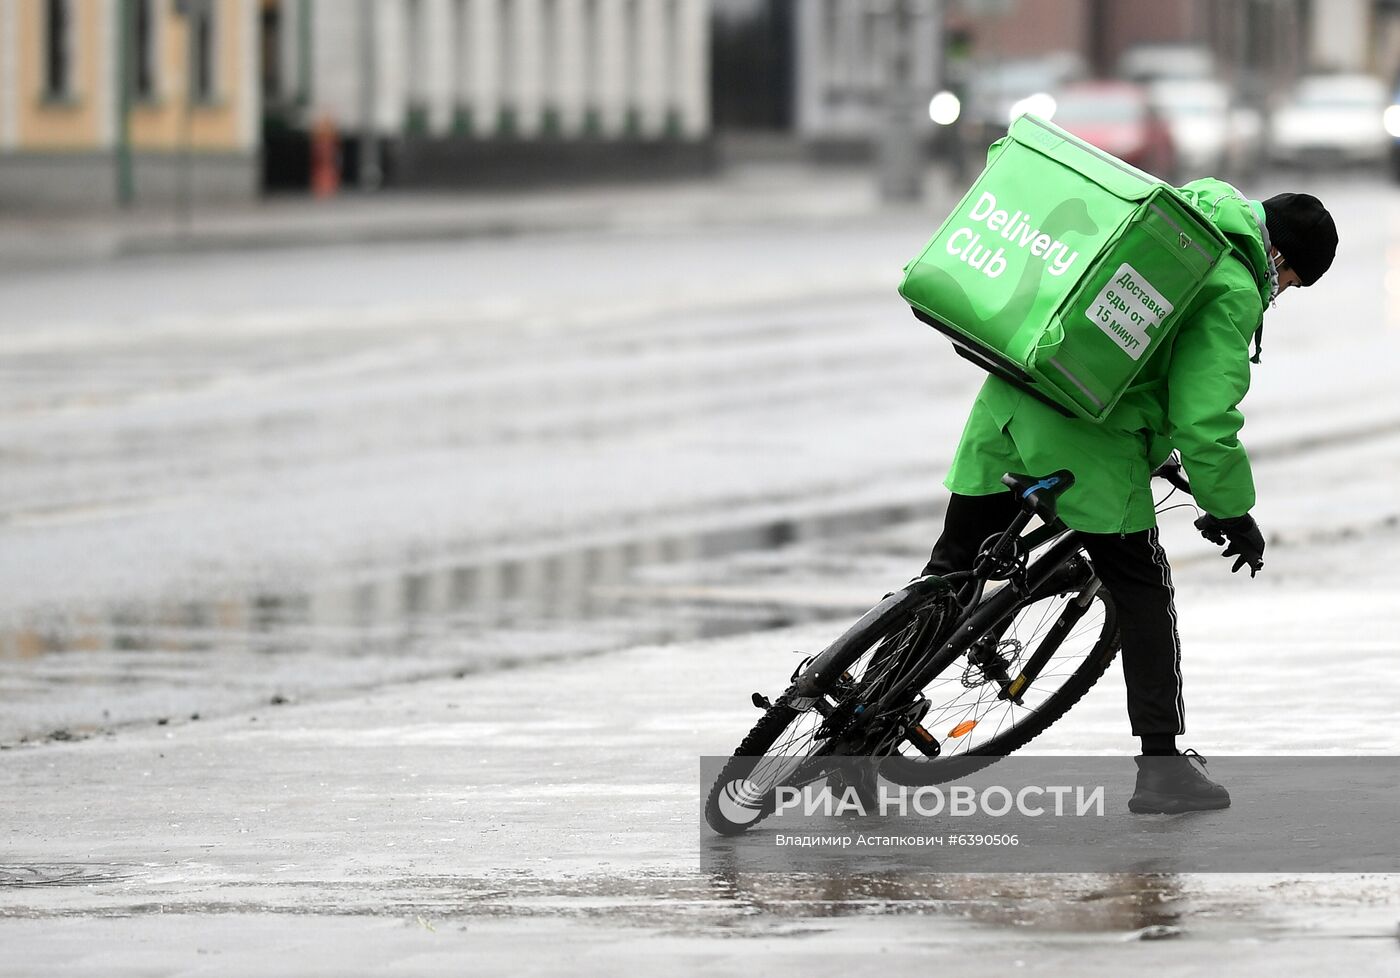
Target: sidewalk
(753, 194)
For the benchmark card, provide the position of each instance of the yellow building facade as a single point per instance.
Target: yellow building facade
(189, 117)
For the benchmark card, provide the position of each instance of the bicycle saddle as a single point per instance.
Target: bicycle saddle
(1038, 493)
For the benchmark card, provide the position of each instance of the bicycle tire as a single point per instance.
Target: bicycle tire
(914, 771)
(731, 807)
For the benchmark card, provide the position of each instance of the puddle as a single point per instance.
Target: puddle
(158, 660)
(767, 904)
(525, 590)
(1065, 903)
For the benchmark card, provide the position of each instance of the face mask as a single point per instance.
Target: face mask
(1257, 207)
(1275, 266)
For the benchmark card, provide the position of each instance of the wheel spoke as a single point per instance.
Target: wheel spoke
(789, 750)
(997, 720)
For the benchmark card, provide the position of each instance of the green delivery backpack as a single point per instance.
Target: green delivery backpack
(1062, 269)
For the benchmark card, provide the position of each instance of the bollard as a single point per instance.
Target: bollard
(325, 159)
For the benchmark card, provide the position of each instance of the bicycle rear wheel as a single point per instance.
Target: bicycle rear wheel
(1071, 636)
(812, 719)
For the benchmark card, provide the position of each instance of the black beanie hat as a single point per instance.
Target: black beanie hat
(1303, 232)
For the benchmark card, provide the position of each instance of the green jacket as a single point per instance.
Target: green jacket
(1186, 397)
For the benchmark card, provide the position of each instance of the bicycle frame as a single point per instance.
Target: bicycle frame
(811, 682)
(1061, 568)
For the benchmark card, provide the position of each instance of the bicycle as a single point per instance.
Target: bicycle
(1014, 659)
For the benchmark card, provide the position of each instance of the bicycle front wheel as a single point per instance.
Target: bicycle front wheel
(819, 716)
(976, 710)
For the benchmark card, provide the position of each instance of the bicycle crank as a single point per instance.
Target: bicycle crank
(884, 735)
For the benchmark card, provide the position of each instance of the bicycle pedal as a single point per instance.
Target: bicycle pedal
(924, 742)
(1011, 689)
(762, 702)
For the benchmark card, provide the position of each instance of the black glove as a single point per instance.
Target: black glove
(1246, 542)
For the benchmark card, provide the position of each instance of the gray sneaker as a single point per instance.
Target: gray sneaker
(1171, 784)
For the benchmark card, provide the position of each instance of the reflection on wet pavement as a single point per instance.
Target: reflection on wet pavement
(184, 658)
(65, 874)
(1076, 903)
(1151, 905)
(1118, 906)
(1116, 902)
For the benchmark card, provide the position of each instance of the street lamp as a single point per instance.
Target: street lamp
(194, 13)
(900, 163)
(371, 173)
(899, 147)
(126, 37)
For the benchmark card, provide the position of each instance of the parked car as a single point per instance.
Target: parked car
(1213, 137)
(1118, 117)
(1332, 120)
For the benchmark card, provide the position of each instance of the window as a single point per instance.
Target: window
(873, 34)
(204, 53)
(836, 38)
(143, 68)
(271, 39)
(58, 49)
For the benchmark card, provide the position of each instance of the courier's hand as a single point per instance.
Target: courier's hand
(1246, 543)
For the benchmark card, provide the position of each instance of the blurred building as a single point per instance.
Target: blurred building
(817, 71)
(469, 92)
(1280, 38)
(183, 124)
(813, 77)
(845, 50)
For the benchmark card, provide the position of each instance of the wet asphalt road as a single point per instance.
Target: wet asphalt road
(543, 821)
(271, 526)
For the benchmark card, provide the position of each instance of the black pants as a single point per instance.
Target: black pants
(1134, 569)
